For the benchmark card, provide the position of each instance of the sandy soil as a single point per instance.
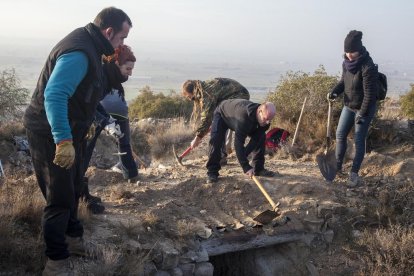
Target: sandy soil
(175, 202)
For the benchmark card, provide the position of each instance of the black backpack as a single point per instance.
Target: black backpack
(382, 86)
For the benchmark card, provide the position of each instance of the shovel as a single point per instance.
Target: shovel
(268, 215)
(180, 158)
(327, 160)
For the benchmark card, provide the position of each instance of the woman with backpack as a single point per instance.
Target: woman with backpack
(359, 86)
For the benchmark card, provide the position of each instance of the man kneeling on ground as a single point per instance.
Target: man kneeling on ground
(246, 119)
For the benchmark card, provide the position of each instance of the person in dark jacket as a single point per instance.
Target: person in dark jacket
(112, 116)
(359, 86)
(207, 95)
(246, 119)
(57, 120)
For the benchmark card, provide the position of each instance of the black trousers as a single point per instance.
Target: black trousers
(256, 146)
(61, 189)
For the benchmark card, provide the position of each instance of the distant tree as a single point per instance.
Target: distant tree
(407, 104)
(12, 95)
(149, 104)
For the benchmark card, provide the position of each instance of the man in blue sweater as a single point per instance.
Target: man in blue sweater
(57, 120)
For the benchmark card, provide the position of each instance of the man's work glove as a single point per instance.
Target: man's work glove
(331, 96)
(114, 130)
(64, 154)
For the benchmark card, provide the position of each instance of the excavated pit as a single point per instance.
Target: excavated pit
(263, 255)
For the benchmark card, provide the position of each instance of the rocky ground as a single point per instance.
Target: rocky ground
(171, 222)
(174, 203)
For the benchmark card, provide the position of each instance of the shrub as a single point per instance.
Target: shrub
(407, 104)
(388, 251)
(150, 105)
(289, 96)
(12, 95)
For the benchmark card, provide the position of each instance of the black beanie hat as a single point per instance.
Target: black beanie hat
(353, 42)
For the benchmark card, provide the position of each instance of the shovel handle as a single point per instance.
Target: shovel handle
(262, 189)
(185, 152)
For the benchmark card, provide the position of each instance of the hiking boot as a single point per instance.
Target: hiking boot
(77, 246)
(133, 179)
(95, 207)
(212, 179)
(267, 173)
(93, 199)
(58, 268)
(353, 180)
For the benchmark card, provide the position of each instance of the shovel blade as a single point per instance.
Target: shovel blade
(266, 217)
(327, 165)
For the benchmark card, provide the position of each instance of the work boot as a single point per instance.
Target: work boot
(58, 268)
(78, 247)
(212, 178)
(267, 173)
(354, 180)
(133, 179)
(93, 199)
(95, 207)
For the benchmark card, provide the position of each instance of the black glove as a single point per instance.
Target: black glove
(359, 119)
(331, 96)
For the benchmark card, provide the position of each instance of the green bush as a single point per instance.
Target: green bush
(12, 96)
(150, 105)
(288, 98)
(407, 104)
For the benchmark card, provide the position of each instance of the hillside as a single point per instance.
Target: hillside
(171, 222)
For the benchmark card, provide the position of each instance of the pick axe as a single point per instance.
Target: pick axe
(180, 158)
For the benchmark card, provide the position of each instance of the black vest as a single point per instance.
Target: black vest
(82, 105)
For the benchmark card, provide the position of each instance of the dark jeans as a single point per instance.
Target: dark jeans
(61, 189)
(345, 124)
(128, 164)
(256, 146)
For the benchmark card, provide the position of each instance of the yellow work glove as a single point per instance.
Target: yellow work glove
(65, 154)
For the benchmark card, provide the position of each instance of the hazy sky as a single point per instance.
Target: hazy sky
(265, 30)
(264, 38)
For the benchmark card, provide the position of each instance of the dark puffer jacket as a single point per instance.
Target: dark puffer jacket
(359, 88)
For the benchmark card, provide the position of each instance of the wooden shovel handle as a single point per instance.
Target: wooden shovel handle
(328, 125)
(262, 189)
(299, 120)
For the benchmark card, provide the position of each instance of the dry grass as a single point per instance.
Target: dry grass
(106, 263)
(390, 109)
(163, 139)
(10, 129)
(130, 229)
(150, 219)
(133, 264)
(21, 206)
(185, 229)
(388, 251)
(83, 213)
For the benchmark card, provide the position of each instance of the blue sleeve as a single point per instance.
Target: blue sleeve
(69, 71)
